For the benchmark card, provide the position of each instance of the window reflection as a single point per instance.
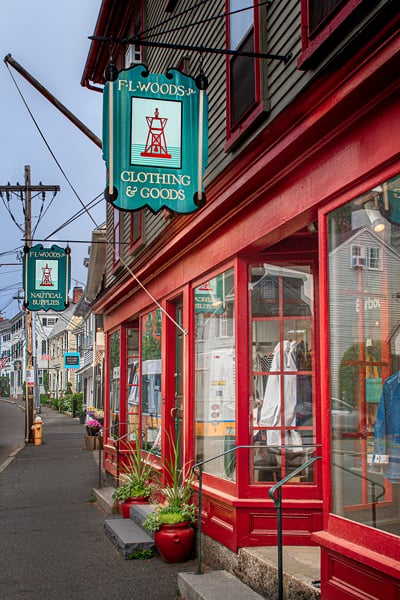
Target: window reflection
(115, 384)
(364, 267)
(215, 373)
(151, 380)
(281, 299)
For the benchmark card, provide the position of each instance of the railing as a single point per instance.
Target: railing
(198, 470)
(374, 498)
(275, 494)
(118, 441)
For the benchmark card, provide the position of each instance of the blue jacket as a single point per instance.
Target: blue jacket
(387, 430)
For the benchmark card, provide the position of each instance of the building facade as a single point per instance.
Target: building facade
(268, 319)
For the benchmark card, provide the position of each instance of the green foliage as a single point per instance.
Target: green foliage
(140, 474)
(130, 490)
(177, 507)
(142, 554)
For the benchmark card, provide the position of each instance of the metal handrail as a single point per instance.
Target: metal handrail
(198, 470)
(278, 505)
(374, 499)
(118, 440)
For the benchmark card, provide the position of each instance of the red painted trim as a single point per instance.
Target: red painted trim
(378, 554)
(313, 41)
(324, 365)
(236, 131)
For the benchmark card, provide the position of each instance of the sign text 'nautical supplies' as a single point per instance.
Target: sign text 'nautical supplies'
(155, 139)
(47, 278)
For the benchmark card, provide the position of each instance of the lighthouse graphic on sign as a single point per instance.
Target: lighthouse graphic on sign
(156, 146)
(156, 133)
(46, 274)
(46, 277)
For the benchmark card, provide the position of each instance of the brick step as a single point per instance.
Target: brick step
(127, 537)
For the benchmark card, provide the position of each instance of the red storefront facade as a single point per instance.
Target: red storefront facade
(268, 319)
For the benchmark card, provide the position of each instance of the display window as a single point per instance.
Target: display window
(364, 338)
(151, 369)
(133, 381)
(114, 375)
(282, 400)
(215, 375)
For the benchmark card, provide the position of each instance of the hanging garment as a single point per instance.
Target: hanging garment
(271, 408)
(387, 430)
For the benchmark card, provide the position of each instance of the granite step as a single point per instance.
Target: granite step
(214, 585)
(127, 537)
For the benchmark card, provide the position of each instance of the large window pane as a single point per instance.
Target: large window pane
(364, 269)
(281, 337)
(115, 354)
(151, 380)
(215, 374)
(133, 381)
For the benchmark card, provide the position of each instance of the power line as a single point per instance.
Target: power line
(48, 146)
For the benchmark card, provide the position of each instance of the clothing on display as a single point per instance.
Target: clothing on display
(271, 408)
(387, 430)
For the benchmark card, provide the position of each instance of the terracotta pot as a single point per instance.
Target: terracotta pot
(124, 507)
(175, 542)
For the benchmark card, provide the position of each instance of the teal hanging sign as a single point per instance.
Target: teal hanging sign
(155, 139)
(47, 278)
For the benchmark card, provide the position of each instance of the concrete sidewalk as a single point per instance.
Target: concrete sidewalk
(52, 542)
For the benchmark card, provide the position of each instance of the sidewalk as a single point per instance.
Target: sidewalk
(52, 542)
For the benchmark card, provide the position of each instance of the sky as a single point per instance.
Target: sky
(49, 39)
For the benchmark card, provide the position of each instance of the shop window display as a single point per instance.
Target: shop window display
(114, 399)
(151, 366)
(364, 312)
(281, 334)
(215, 374)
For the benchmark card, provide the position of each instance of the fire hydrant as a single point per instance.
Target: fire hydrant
(37, 430)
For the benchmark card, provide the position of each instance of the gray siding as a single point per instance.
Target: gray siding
(280, 33)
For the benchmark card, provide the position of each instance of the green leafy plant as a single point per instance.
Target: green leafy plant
(140, 475)
(177, 506)
(142, 554)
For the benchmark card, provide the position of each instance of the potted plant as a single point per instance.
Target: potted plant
(140, 479)
(172, 519)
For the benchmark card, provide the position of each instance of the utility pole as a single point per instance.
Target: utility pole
(26, 191)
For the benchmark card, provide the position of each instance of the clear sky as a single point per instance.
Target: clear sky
(49, 38)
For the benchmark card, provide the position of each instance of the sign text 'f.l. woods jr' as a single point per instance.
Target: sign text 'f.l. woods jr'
(155, 139)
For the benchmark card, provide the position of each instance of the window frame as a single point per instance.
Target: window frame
(116, 237)
(313, 41)
(260, 104)
(135, 242)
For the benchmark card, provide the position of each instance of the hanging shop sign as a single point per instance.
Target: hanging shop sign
(209, 297)
(155, 139)
(47, 278)
(72, 360)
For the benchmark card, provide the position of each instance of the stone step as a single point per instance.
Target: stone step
(214, 585)
(127, 537)
(138, 513)
(104, 500)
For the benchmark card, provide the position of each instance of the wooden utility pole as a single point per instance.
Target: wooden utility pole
(26, 191)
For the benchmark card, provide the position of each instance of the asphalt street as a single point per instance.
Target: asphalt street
(52, 544)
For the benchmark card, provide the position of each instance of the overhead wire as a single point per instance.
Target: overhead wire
(48, 146)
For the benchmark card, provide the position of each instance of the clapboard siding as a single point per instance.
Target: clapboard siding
(280, 28)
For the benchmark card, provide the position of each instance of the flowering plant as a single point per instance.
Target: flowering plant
(96, 414)
(93, 426)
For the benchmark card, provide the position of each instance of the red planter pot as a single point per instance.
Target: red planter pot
(124, 507)
(175, 542)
